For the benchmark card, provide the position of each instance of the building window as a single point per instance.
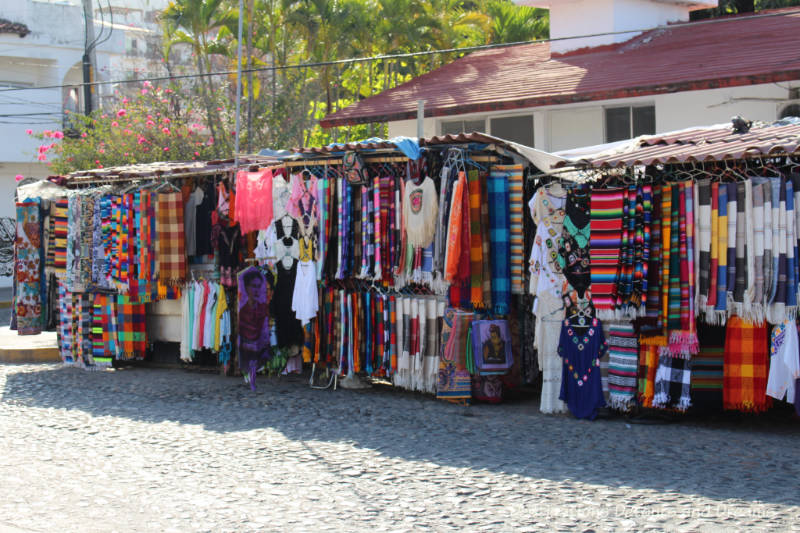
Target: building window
(454, 127)
(517, 129)
(628, 122)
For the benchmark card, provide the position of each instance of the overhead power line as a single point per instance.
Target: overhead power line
(405, 55)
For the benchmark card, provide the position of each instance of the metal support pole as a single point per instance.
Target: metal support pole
(238, 87)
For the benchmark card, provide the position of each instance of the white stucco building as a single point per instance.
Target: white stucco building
(41, 45)
(583, 91)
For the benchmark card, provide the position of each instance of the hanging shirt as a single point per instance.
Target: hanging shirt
(254, 200)
(784, 363)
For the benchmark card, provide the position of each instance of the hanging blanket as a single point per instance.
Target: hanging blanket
(746, 362)
(455, 382)
(673, 383)
(733, 216)
(515, 215)
(707, 368)
(131, 328)
(605, 242)
(653, 301)
(103, 344)
(171, 238)
(777, 308)
(28, 268)
(648, 364)
(64, 331)
(622, 366)
(476, 243)
(497, 186)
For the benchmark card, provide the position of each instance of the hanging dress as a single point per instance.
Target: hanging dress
(289, 330)
(581, 348)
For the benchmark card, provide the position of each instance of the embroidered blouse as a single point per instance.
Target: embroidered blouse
(547, 211)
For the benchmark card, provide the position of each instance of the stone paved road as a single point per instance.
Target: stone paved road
(169, 450)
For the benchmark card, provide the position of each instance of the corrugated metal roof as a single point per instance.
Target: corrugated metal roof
(702, 145)
(732, 51)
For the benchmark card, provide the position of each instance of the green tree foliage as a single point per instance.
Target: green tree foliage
(733, 7)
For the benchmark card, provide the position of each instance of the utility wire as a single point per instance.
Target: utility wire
(395, 56)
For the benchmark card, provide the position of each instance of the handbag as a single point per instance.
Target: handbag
(354, 169)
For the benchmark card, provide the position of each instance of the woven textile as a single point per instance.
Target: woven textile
(476, 244)
(648, 364)
(171, 238)
(604, 247)
(64, 331)
(131, 328)
(455, 382)
(703, 228)
(623, 359)
(791, 255)
(682, 337)
(707, 371)
(102, 342)
(673, 383)
(733, 215)
(653, 299)
(454, 230)
(758, 251)
(515, 214)
(721, 302)
(499, 232)
(28, 268)
(574, 245)
(57, 249)
(745, 366)
(486, 243)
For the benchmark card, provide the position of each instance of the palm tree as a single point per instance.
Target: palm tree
(206, 26)
(513, 24)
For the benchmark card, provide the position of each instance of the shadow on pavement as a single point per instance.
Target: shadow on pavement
(730, 456)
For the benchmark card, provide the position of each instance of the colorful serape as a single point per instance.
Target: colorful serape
(455, 382)
(515, 215)
(64, 331)
(131, 328)
(622, 366)
(102, 342)
(499, 232)
(486, 243)
(476, 242)
(707, 368)
(673, 383)
(171, 238)
(745, 368)
(703, 228)
(648, 364)
(604, 247)
(57, 249)
(721, 301)
(28, 268)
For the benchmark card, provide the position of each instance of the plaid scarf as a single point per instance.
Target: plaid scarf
(171, 238)
(131, 328)
(497, 188)
(707, 365)
(28, 268)
(476, 239)
(673, 383)
(604, 247)
(622, 366)
(515, 234)
(745, 367)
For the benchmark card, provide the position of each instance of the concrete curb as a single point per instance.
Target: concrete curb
(29, 355)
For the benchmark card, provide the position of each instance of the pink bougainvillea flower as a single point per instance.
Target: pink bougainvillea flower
(84, 134)
(104, 116)
(141, 140)
(164, 100)
(19, 177)
(166, 148)
(149, 117)
(114, 124)
(96, 161)
(233, 134)
(143, 91)
(219, 109)
(126, 154)
(101, 151)
(149, 124)
(29, 131)
(166, 120)
(58, 135)
(169, 91)
(127, 131)
(165, 131)
(125, 100)
(197, 153)
(121, 113)
(147, 83)
(42, 157)
(46, 133)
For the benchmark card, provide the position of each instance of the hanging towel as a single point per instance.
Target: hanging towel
(497, 186)
(745, 366)
(605, 242)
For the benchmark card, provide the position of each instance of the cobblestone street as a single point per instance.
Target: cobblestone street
(170, 450)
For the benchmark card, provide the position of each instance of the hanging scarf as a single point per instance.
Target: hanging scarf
(102, 342)
(791, 255)
(777, 307)
(454, 227)
(447, 182)
(486, 243)
(171, 238)
(703, 225)
(515, 234)
(622, 289)
(682, 335)
(386, 192)
(28, 268)
(476, 239)
(622, 366)
(59, 216)
(653, 300)
(648, 364)
(758, 251)
(604, 247)
(713, 276)
(673, 383)
(574, 252)
(497, 187)
(460, 290)
(745, 367)
(721, 304)
(732, 236)
(707, 369)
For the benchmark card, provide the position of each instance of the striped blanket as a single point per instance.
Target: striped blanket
(604, 244)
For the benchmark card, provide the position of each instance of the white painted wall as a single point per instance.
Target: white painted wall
(576, 125)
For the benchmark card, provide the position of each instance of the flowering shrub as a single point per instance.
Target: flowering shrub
(155, 124)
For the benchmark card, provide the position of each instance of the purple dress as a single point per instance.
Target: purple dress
(581, 348)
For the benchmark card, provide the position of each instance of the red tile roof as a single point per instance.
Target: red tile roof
(702, 145)
(732, 51)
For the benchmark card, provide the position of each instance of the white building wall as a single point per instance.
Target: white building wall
(576, 125)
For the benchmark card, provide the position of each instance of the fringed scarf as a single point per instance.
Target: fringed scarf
(791, 254)
(719, 314)
(387, 238)
(703, 225)
(604, 248)
(28, 268)
(758, 251)
(378, 231)
(673, 383)
(680, 323)
(454, 228)
(746, 362)
(476, 239)
(653, 300)
(777, 308)
(497, 187)
(515, 215)
(733, 215)
(623, 350)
